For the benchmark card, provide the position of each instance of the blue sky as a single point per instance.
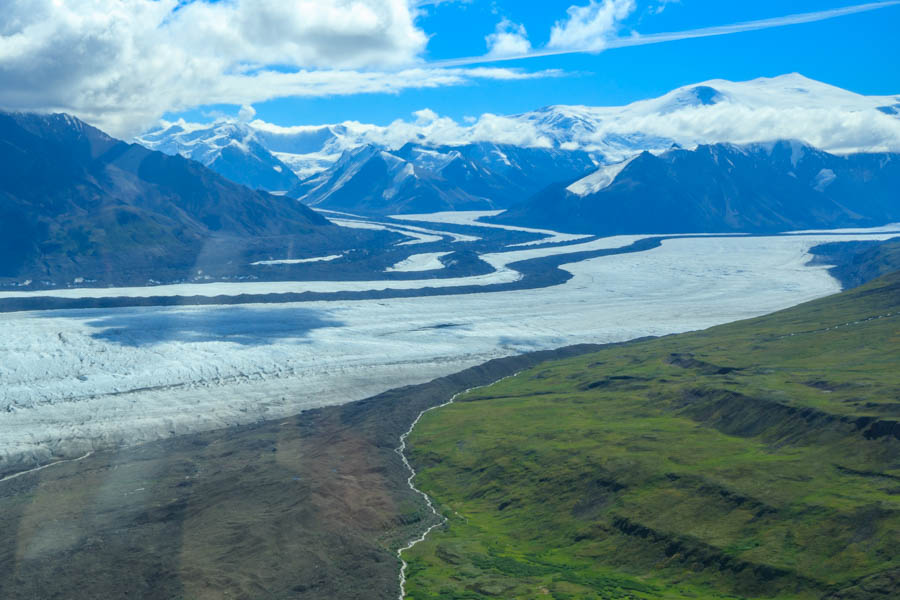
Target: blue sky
(856, 52)
(124, 64)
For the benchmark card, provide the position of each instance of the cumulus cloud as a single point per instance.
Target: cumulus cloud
(509, 39)
(313, 33)
(246, 114)
(591, 27)
(430, 128)
(123, 63)
(662, 4)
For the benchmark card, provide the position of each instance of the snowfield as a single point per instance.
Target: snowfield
(417, 236)
(472, 219)
(297, 261)
(430, 261)
(76, 381)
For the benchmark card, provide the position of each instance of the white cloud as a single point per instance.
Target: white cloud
(426, 115)
(431, 128)
(121, 64)
(426, 126)
(591, 27)
(662, 4)
(510, 39)
(420, 3)
(834, 130)
(312, 33)
(246, 114)
(594, 25)
(784, 21)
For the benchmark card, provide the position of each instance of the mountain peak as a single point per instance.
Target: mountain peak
(227, 146)
(57, 122)
(782, 185)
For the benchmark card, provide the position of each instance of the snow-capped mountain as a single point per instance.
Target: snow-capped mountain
(762, 187)
(312, 149)
(418, 178)
(718, 111)
(230, 148)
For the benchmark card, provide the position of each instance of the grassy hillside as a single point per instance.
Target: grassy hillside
(759, 459)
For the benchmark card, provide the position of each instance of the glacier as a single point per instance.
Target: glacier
(73, 382)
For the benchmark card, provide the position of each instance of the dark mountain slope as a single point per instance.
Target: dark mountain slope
(759, 188)
(369, 180)
(76, 203)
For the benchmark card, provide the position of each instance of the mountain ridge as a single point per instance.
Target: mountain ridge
(230, 148)
(722, 188)
(708, 112)
(79, 205)
(417, 178)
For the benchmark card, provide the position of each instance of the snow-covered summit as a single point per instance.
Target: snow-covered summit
(721, 111)
(231, 148)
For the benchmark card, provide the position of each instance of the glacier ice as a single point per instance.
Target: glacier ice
(76, 381)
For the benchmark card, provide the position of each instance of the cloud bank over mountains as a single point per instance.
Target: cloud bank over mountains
(786, 107)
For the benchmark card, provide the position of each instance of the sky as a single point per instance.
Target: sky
(124, 64)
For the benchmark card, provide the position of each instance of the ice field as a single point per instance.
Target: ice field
(75, 381)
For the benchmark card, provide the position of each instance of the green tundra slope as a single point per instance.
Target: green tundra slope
(859, 262)
(758, 459)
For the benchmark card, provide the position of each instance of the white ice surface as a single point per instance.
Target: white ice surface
(454, 237)
(890, 228)
(499, 260)
(419, 262)
(431, 235)
(417, 236)
(471, 218)
(298, 261)
(75, 381)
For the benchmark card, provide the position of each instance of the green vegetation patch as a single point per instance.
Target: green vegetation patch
(759, 459)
